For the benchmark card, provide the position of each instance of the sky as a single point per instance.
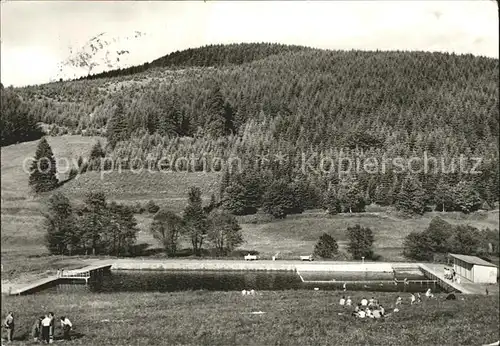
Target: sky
(36, 35)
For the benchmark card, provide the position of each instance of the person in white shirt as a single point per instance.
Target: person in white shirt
(342, 301)
(348, 302)
(369, 313)
(413, 299)
(364, 302)
(371, 302)
(428, 294)
(66, 326)
(361, 314)
(46, 329)
(377, 314)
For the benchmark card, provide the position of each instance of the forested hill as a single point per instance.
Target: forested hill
(206, 56)
(251, 99)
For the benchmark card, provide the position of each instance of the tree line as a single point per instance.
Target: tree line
(97, 227)
(279, 190)
(17, 123)
(441, 238)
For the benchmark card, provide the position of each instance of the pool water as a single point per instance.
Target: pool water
(172, 281)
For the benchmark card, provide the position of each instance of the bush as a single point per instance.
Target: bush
(152, 207)
(326, 247)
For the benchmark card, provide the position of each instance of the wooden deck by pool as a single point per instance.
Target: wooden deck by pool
(83, 273)
(435, 272)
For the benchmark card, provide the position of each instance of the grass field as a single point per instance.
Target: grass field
(224, 318)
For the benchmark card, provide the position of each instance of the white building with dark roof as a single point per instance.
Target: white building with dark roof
(474, 268)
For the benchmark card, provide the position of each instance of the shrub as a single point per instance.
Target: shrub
(326, 247)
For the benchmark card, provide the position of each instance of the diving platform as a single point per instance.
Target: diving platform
(84, 274)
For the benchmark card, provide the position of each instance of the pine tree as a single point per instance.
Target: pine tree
(411, 198)
(332, 203)
(383, 191)
(466, 199)
(278, 200)
(360, 242)
(243, 195)
(224, 183)
(96, 154)
(235, 199)
(216, 118)
(97, 151)
(443, 196)
(117, 128)
(351, 196)
(229, 123)
(43, 169)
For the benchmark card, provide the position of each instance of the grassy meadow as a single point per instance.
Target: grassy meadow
(224, 318)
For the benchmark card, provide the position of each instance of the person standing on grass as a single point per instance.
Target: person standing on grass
(9, 326)
(412, 299)
(52, 327)
(36, 329)
(348, 302)
(46, 329)
(66, 327)
(364, 302)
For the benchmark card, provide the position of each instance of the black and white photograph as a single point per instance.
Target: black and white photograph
(212, 172)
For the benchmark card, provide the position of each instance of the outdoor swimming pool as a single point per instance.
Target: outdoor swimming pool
(172, 281)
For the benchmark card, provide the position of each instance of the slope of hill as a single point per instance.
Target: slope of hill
(301, 89)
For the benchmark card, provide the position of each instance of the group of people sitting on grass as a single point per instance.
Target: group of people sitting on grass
(366, 308)
(43, 329)
(371, 308)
